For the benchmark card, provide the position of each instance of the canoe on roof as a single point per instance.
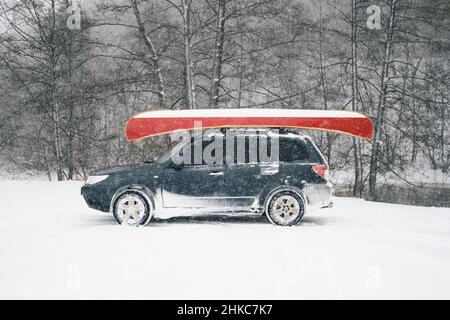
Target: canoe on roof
(154, 123)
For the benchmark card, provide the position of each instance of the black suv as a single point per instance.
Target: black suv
(243, 180)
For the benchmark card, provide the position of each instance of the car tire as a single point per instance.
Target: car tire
(132, 208)
(285, 208)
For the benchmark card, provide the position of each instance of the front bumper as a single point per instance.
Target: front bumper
(95, 197)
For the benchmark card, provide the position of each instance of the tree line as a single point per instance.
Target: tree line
(67, 92)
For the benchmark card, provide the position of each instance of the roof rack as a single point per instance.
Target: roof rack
(261, 130)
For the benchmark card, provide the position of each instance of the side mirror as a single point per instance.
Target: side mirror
(176, 166)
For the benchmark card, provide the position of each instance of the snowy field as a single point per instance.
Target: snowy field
(53, 246)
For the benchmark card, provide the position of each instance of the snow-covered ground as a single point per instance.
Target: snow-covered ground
(53, 246)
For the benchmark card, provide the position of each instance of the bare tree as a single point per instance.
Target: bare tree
(218, 53)
(36, 44)
(153, 56)
(184, 8)
(381, 108)
(358, 184)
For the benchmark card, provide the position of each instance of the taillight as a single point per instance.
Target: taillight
(321, 170)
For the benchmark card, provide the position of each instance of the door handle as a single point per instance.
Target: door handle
(216, 173)
(269, 170)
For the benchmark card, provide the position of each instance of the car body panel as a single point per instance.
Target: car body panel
(193, 186)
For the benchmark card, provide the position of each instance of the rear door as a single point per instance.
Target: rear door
(247, 175)
(297, 157)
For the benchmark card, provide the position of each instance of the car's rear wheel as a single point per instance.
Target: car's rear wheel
(131, 208)
(285, 208)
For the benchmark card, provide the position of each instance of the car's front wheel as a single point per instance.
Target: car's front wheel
(285, 208)
(131, 208)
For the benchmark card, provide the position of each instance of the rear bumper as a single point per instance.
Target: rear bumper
(319, 195)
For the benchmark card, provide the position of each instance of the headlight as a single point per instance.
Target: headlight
(95, 179)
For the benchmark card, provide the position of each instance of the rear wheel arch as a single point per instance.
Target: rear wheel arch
(276, 190)
(293, 205)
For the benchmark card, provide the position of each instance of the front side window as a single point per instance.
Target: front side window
(210, 152)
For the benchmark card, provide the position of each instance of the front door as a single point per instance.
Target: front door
(194, 185)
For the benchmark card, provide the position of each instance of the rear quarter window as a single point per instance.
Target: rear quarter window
(298, 150)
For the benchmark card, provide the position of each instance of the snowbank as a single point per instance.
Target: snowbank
(424, 176)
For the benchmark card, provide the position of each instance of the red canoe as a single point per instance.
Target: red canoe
(153, 123)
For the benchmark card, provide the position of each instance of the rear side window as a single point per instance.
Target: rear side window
(293, 150)
(250, 149)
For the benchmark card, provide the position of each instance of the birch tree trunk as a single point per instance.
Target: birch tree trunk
(218, 57)
(57, 133)
(381, 103)
(71, 106)
(188, 65)
(358, 183)
(154, 57)
(323, 81)
(241, 64)
(53, 97)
